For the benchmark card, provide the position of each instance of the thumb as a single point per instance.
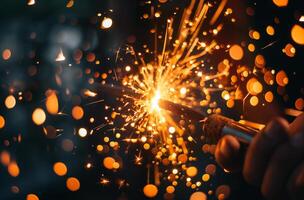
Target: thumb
(228, 153)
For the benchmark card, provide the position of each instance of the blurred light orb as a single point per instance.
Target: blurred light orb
(10, 102)
(77, 112)
(106, 23)
(236, 52)
(170, 189)
(108, 162)
(299, 104)
(280, 3)
(191, 171)
(13, 169)
(60, 168)
(32, 197)
(2, 122)
(198, 196)
(6, 54)
(52, 105)
(150, 190)
(38, 116)
(73, 184)
(297, 34)
(82, 132)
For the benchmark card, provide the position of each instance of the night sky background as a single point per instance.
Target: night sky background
(54, 26)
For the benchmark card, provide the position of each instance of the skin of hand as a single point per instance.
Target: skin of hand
(274, 160)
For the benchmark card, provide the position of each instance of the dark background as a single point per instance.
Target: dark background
(52, 21)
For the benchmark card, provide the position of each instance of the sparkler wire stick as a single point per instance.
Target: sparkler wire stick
(214, 126)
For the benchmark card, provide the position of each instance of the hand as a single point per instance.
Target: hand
(274, 160)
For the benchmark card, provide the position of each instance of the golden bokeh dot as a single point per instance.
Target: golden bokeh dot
(236, 52)
(77, 112)
(269, 96)
(6, 54)
(256, 35)
(299, 104)
(32, 197)
(260, 61)
(2, 122)
(52, 105)
(99, 148)
(281, 78)
(191, 171)
(38, 116)
(73, 184)
(170, 189)
(82, 132)
(108, 162)
(150, 190)
(10, 102)
(254, 87)
(251, 47)
(198, 196)
(182, 158)
(106, 23)
(270, 30)
(116, 165)
(289, 50)
(60, 168)
(210, 169)
(297, 34)
(280, 3)
(13, 169)
(206, 177)
(5, 158)
(254, 101)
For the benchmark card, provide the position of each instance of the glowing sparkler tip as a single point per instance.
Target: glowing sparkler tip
(155, 100)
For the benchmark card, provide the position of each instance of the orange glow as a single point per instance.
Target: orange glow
(254, 101)
(282, 79)
(150, 190)
(5, 158)
(73, 184)
(251, 47)
(299, 104)
(236, 52)
(260, 61)
(108, 162)
(256, 35)
(10, 102)
(280, 3)
(51, 103)
(270, 30)
(297, 34)
(206, 177)
(13, 169)
(191, 171)
(2, 122)
(183, 158)
(38, 116)
(289, 50)
(269, 96)
(254, 87)
(77, 112)
(70, 4)
(198, 196)
(6, 54)
(60, 169)
(170, 189)
(32, 197)
(99, 148)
